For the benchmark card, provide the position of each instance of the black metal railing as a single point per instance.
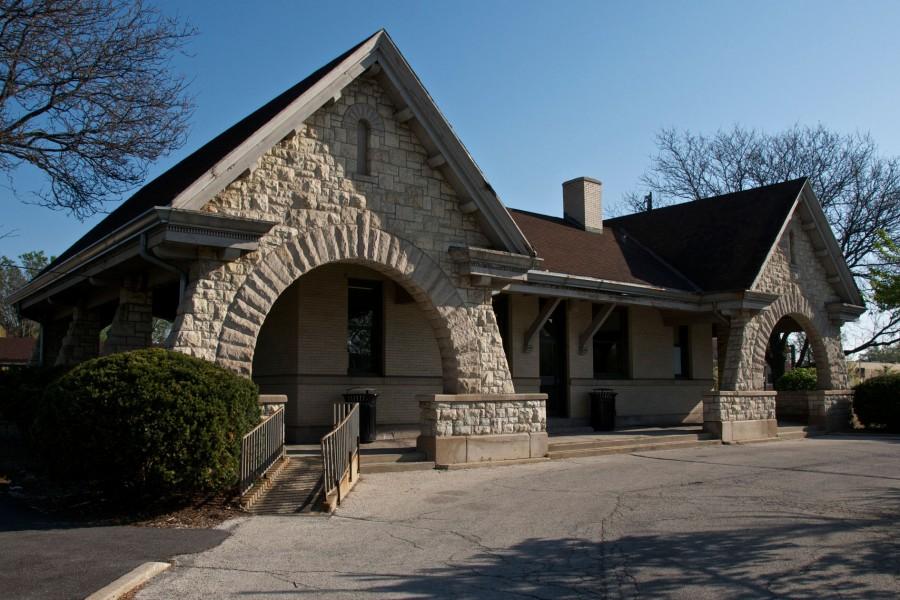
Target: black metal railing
(339, 449)
(261, 448)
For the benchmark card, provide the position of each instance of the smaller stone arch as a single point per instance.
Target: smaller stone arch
(825, 342)
(362, 112)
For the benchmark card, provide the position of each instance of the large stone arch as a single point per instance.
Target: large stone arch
(823, 335)
(457, 325)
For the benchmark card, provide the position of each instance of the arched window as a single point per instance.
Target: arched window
(362, 147)
(792, 252)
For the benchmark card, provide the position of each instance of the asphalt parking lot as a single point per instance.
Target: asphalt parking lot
(44, 558)
(813, 518)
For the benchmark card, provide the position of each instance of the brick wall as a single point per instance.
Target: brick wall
(302, 350)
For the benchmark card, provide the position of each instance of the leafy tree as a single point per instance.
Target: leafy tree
(859, 189)
(890, 354)
(87, 96)
(886, 272)
(13, 275)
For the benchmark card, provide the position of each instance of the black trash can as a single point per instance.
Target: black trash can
(603, 409)
(365, 397)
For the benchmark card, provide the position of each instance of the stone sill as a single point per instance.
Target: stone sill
(373, 179)
(631, 382)
(272, 399)
(473, 398)
(742, 394)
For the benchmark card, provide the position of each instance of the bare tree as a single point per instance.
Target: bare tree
(858, 187)
(13, 275)
(87, 95)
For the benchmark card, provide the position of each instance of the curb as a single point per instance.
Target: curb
(129, 581)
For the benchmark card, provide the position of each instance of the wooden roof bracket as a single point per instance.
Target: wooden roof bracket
(588, 334)
(542, 317)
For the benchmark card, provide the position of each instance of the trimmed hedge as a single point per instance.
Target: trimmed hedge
(797, 379)
(876, 402)
(151, 423)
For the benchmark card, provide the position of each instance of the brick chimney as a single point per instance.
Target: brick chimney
(583, 203)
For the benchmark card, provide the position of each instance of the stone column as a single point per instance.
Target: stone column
(467, 428)
(737, 416)
(82, 340)
(52, 335)
(132, 324)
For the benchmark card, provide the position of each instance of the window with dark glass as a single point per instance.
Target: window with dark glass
(365, 327)
(362, 148)
(682, 352)
(611, 345)
(501, 312)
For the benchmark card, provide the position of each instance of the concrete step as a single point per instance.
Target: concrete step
(599, 441)
(633, 447)
(796, 433)
(395, 467)
(390, 455)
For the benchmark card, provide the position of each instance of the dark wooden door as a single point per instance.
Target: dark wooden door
(553, 363)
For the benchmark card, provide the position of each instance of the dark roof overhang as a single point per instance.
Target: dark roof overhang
(168, 234)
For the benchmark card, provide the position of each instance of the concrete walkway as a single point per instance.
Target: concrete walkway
(815, 518)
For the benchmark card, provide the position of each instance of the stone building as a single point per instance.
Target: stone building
(342, 235)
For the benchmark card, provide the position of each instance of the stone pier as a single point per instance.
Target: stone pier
(474, 428)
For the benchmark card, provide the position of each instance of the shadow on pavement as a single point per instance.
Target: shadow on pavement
(812, 558)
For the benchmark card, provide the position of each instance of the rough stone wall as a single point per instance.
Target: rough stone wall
(831, 409)
(793, 405)
(490, 416)
(82, 339)
(738, 406)
(803, 294)
(132, 325)
(399, 219)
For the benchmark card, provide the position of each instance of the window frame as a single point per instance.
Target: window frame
(363, 137)
(681, 339)
(377, 336)
(622, 338)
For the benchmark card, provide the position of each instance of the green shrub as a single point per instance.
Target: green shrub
(21, 389)
(147, 424)
(876, 402)
(797, 379)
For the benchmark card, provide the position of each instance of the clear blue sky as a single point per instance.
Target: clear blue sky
(541, 92)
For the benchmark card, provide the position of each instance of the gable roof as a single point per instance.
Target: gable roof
(206, 171)
(716, 244)
(612, 255)
(719, 243)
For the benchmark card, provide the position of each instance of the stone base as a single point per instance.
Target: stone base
(740, 416)
(742, 431)
(451, 450)
(830, 410)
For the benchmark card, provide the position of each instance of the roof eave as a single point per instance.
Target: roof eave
(169, 226)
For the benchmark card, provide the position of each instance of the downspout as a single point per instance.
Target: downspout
(145, 253)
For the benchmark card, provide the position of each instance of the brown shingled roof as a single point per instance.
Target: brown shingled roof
(610, 255)
(713, 244)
